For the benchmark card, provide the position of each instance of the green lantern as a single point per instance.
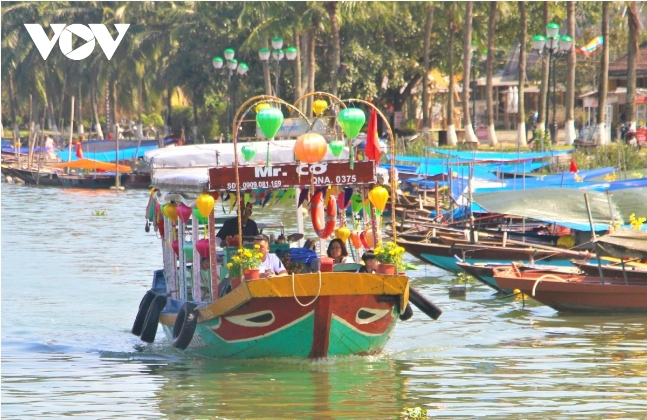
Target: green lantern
(336, 147)
(270, 121)
(351, 121)
(249, 152)
(198, 216)
(356, 202)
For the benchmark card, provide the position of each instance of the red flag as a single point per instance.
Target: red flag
(373, 151)
(79, 150)
(573, 166)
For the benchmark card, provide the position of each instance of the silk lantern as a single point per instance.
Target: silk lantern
(204, 203)
(160, 226)
(184, 213)
(355, 239)
(261, 106)
(170, 211)
(336, 147)
(356, 202)
(270, 120)
(378, 197)
(202, 246)
(367, 238)
(188, 250)
(198, 216)
(319, 106)
(310, 147)
(342, 233)
(176, 247)
(249, 152)
(351, 121)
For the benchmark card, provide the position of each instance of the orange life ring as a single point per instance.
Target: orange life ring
(324, 226)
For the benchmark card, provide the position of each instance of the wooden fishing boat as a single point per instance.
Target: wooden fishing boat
(576, 293)
(633, 271)
(92, 174)
(314, 312)
(33, 177)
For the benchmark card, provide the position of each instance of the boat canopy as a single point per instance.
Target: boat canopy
(566, 206)
(93, 165)
(624, 243)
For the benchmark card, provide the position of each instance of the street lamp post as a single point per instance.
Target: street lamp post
(277, 54)
(555, 46)
(232, 66)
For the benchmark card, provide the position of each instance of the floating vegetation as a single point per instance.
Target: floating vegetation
(415, 413)
(100, 213)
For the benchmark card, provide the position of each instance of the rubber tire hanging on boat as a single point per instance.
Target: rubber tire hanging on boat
(141, 313)
(185, 323)
(407, 314)
(152, 319)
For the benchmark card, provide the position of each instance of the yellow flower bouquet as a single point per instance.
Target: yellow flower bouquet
(246, 259)
(390, 253)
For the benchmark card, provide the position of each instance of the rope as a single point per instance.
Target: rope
(545, 276)
(294, 293)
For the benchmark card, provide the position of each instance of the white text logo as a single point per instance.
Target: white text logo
(63, 34)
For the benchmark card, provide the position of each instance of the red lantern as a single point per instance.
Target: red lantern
(160, 226)
(202, 246)
(176, 247)
(310, 148)
(184, 213)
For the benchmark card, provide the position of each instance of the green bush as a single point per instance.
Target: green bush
(616, 155)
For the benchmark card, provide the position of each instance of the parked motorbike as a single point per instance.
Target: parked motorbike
(628, 135)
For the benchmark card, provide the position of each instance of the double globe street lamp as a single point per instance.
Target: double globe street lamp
(556, 46)
(232, 66)
(277, 55)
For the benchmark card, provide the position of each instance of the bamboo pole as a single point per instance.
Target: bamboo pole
(69, 146)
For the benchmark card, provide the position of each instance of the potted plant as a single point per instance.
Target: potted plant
(389, 255)
(246, 263)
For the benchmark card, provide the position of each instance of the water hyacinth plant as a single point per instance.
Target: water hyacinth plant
(247, 259)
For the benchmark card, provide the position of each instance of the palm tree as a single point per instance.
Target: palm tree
(470, 136)
(452, 139)
(425, 82)
(632, 51)
(331, 8)
(521, 115)
(542, 121)
(603, 89)
(569, 124)
(489, 70)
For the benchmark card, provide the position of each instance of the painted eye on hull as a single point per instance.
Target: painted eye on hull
(256, 319)
(368, 315)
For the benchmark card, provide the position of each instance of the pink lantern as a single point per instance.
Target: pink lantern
(202, 246)
(184, 213)
(176, 247)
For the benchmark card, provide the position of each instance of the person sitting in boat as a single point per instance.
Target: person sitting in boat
(271, 265)
(370, 262)
(230, 227)
(338, 252)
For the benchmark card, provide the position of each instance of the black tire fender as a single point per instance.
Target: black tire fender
(141, 313)
(408, 313)
(185, 323)
(152, 319)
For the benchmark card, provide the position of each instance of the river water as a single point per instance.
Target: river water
(71, 285)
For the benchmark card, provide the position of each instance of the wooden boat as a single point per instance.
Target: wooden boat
(33, 177)
(309, 313)
(92, 174)
(633, 271)
(576, 292)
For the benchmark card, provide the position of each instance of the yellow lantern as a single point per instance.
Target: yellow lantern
(342, 233)
(379, 196)
(261, 107)
(170, 211)
(319, 106)
(204, 204)
(310, 147)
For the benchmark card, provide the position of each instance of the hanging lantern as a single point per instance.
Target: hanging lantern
(356, 202)
(270, 120)
(342, 233)
(319, 106)
(188, 250)
(204, 203)
(367, 238)
(184, 213)
(249, 152)
(351, 121)
(336, 147)
(197, 215)
(202, 246)
(310, 148)
(379, 196)
(355, 239)
(176, 247)
(261, 106)
(160, 226)
(170, 211)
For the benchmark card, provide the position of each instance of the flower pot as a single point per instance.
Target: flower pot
(235, 282)
(386, 269)
(252, 274)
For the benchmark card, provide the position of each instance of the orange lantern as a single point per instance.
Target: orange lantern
(319, 106)
(310, 147)
(378, 196)
(342, 233)
(368, 238)
(170, 211)
(355, 240)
